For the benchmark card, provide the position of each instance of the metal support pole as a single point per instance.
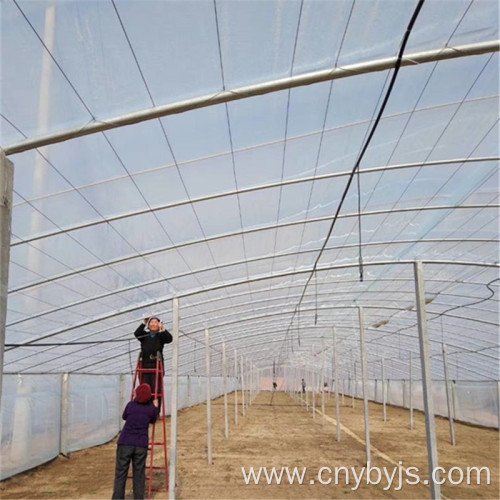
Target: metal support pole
(307, 389)
(172, 470)
(354, 381)
(335, 376)
(448, 398)
(430, 430)
(322, 382)
(363, 376)
(224, 370)
(242, 387)
(411, 390)
(63, 444)
(235, 387)
(384, 391)
(209, 399)
(498, 401)
(6, 187)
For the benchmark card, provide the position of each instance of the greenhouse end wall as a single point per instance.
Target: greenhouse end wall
(36, 426)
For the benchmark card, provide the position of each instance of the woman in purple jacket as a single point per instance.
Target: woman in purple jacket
(133, 442)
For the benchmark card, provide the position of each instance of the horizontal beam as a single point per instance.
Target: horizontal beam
(246, 190)
(249, 231)
(239, 262)
(225, 96)
(155, 303)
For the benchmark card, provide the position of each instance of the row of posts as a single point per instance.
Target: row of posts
(296, 379)
(244, 372)
(245, 375)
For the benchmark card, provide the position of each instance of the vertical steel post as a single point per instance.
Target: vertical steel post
(384, 391)
(448, 397)
(224, 370)
(6, 188)
(335, 376)
(209, 397)
(354, 381)
(430, 429)
(172, 470)
(363, 376)
(235, 387)
(63, 446)
(411, 390)
(322, 382)
(242, 387)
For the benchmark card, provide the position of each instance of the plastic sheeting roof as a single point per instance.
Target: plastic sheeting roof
(237, 206)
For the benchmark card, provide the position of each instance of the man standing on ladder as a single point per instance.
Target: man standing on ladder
(153, 336)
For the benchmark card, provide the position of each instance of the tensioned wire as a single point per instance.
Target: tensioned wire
(244, 149)
(122, 164)
(267, 342)
(416, 104)
(223, 194)
(436, 144)
(240, 294)
(67, 234)
(465, 222)
(120, 161)
(230, 135)
(52, 165)
(285, 135)
(453, 283)
(360, 157)
(428, 201)
(410, 117)
(319, 220)
(261, 292)
(167, 141)
(432, 150)
(322, 132)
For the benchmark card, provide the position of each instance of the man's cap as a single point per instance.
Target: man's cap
(143, 393)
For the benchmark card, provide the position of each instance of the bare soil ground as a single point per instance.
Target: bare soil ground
(278, 431)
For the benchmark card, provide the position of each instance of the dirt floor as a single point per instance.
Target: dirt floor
(277, 431)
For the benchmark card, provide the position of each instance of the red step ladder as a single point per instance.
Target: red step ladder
(138, 379)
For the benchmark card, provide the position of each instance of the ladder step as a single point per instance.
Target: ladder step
(158, 467)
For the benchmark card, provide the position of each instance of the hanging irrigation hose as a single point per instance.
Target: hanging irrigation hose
(355, 169)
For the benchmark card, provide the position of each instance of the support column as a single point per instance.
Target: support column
(384, 391)
(411, 391)
(430, 429)
(235, 387)
(209, 398)
(354, 381)
(335, 376)
(63, 443)
(448, 398)
(172, 470)
(224, 371)
(322, 383)
(363, 376)
(6, 187)
(242, 387)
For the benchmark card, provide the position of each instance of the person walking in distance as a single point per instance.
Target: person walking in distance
(153, 336)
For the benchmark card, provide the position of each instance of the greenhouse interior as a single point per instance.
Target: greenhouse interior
(305, 192)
